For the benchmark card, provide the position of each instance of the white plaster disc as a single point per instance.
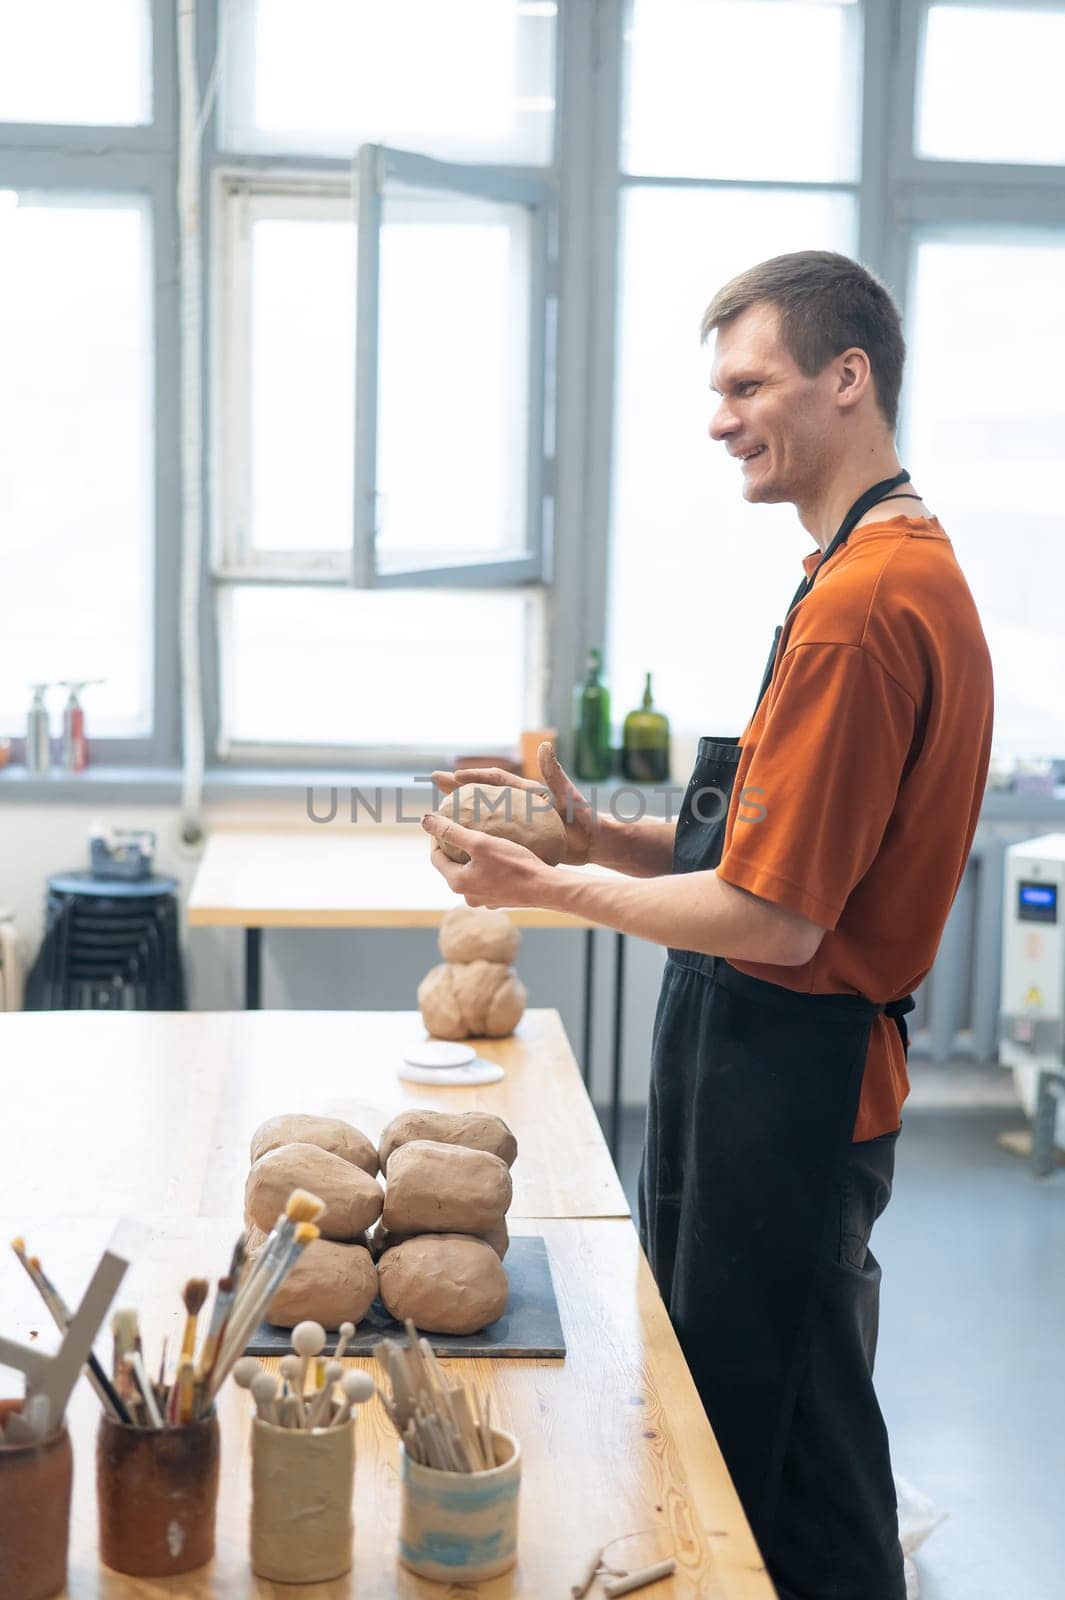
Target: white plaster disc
(471, 1072)
(439, 1053)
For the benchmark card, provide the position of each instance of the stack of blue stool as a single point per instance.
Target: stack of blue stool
(108, 945)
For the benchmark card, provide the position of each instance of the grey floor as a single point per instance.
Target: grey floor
(971, 1368)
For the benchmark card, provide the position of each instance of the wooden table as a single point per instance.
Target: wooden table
(149, 1113)
(153, 1112)
(361, 876)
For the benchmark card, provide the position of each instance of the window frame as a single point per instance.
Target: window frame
(134, 161)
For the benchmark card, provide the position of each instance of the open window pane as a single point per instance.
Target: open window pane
(453, 380)
(985, 419)
(990, 86)
(469, 80)
(743, 89)
(302, 377)
(75, 61)
(347, 667)
(76, 463)
(699, 579)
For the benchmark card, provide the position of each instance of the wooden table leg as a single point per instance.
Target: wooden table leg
(589, 994)
(614, 1139)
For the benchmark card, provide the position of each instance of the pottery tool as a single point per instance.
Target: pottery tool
(308, 1341)
(125, 1333)
(357, 1388)
(135, 1362)
(614, 1587)
(441, 1424)
(322, 1405)
(264, 1393)
(245, 1371)
(193, 1296)
(55, 1376)
(60, 1314)
(347, 1333)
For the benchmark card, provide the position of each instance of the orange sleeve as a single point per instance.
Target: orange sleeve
(818, 792)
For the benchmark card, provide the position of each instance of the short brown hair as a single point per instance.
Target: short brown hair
(827, 303)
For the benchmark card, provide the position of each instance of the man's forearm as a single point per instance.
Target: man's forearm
(688, 911)
(641, 849)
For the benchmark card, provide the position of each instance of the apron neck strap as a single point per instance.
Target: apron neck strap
(865, 502)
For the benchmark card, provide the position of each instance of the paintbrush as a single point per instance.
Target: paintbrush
(258, 1292)
(61, 1316)
(193, 1296)
(223, 1302)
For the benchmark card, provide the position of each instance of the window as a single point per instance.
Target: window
(69, 61)
(326, 77)
(682, 538)
(75, 470)
(990, 86)
(988, 441)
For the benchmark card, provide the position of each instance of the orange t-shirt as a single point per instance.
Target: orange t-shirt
(870, 752)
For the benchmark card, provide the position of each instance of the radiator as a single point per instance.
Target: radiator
(957, 1005)
(10, 965)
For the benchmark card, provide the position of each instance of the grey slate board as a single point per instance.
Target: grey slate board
(530, 1326)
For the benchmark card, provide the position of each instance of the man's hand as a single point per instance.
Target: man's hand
(568, 801)
(498, 873)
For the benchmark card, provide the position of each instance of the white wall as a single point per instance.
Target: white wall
(329, 971)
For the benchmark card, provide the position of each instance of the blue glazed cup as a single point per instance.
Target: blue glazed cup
(461, 1527)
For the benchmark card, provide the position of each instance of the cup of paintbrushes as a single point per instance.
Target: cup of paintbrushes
(156, 1492)
(301, 1491)
(461, 1527)
(35, 1483)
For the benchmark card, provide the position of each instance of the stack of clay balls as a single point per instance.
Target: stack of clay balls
(429, 1240)
(474, 993)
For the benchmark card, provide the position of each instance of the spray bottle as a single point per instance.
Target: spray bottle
(75, 745)
(38, 733)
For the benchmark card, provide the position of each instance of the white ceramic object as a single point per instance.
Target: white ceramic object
(476, 1071)
(301, 1516)
(438, 1053)
(461, 1527)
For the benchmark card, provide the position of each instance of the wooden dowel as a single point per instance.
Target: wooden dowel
(638, 1580)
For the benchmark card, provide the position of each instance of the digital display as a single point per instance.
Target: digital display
(1037, 902)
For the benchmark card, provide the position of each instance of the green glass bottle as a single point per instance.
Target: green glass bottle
(645, 745)
(591, 723)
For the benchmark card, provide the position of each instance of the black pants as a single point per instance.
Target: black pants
(836, 1530)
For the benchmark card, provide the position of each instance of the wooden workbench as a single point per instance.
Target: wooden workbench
(150, 1113)
(340, 875)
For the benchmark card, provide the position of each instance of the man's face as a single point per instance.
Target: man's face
(780, 425)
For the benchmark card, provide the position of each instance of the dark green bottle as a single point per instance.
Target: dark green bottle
(645, 745)
(591, 724)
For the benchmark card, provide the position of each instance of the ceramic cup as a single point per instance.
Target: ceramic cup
(35, 1483)
(461, 1527)
(156, 1492)
(301, 1487)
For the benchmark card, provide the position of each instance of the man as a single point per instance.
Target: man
(798, 920)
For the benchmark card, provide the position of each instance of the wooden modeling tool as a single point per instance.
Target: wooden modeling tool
(61, 1316)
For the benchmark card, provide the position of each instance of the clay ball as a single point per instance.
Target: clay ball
(472, 933)
(475, 999)
(353, 1200)
(525, 816)
(445, 1188)
(446, 1283)
(330, 1283)
(328, 1133)
(477, 1130)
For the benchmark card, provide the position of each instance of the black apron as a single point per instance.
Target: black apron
(754, 1094)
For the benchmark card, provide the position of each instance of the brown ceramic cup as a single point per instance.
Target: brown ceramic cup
(156, 1492)
(35, 1483)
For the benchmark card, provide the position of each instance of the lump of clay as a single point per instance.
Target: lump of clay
(446, 1283)
(525, 816)
(328, 1133)
(353, 1199)
(478, 999)
(477, 1130)
(473, 933)
(330, 1283)
(381, 1240)
(445, 1188)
